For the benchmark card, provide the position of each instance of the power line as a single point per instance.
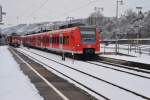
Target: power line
(75, 9)
(80, 7)
(27, 10)
(37, 9)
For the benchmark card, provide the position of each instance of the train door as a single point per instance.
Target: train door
(50, 41)
(61, 41)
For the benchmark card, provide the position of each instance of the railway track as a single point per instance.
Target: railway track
(59, 93)
(114, 67)
(136, 66)
(89, 75)
(125, 67)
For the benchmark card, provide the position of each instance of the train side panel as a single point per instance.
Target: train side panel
(77, 40)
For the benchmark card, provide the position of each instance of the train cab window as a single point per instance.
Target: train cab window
(88, 35)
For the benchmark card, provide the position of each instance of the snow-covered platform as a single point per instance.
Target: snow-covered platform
(14, 85)
(49, 86)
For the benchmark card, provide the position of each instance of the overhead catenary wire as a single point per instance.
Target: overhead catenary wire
(37, 9)
(65, 13)
(80, 7)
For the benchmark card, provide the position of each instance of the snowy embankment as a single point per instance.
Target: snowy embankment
(141, 58)
(14, 85)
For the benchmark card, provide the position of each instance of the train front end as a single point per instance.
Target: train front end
(14, 40)
(88, 41)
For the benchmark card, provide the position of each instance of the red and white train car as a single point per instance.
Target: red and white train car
(76, 40)
(14, 40)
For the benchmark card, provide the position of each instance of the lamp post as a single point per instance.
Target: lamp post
(119, 2)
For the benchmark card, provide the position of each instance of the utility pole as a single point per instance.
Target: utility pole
(138, 27)
(118, 2)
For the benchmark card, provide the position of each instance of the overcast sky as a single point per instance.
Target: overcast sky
(29, 11)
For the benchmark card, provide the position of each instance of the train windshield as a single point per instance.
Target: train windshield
(88, 35)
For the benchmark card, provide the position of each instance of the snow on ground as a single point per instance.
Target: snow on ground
(142, 58)
(131, 82)
(14, 85)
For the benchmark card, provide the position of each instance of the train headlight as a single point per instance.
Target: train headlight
(78, 45)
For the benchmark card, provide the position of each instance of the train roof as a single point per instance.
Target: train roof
(70, 28)
(77, 24)
(61, 26)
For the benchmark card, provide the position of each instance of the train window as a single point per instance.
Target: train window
(57, 39)
(66, 40)
(40, 39)
(34, 39)
(60, 40)
(47, 40)
(53, 39)
(44, 39)
(50, 39)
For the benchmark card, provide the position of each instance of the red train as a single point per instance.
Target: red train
(14, 40)
(75, 40)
